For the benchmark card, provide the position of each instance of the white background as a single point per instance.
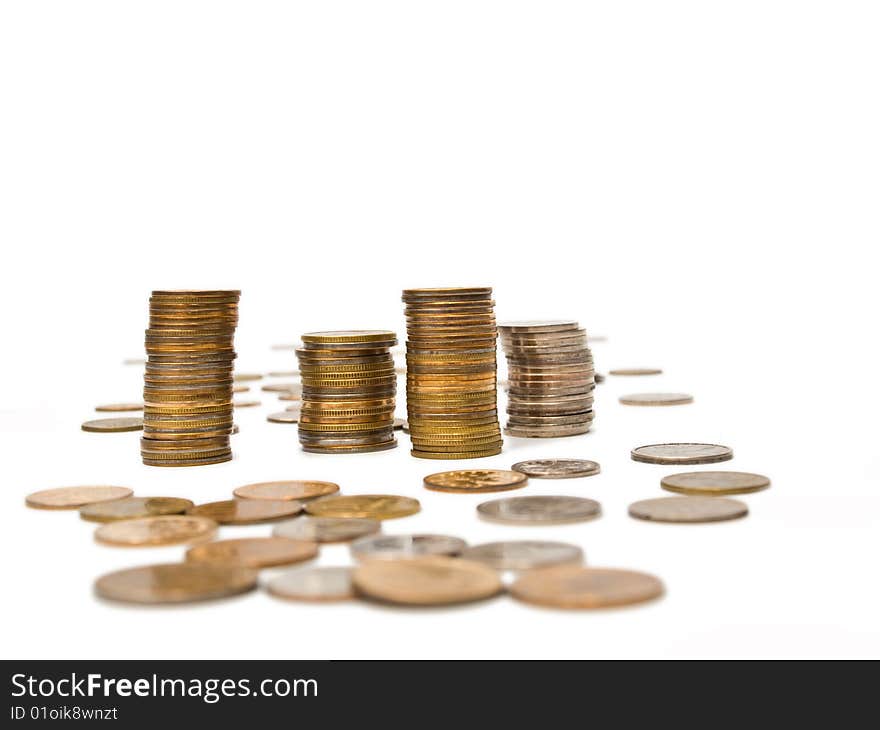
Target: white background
(696, 181)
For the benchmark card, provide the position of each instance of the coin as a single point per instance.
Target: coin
(289, 489)
(245, 403)
(133, 361)
(132, 507)
(399, 547)
(240, 388)
(635, 371)
(369, 506)
(330, 583)
(688, 509)
(557, 468)
(475, 480)
(113, 425)
(327, 529)
(284, 417)
(247, 511)
(709, 483)
(156, 531)
(399, 423)
(569, 586)
(539, 510)
(681, 453)
(245, 377)
(283, 373)
(119, 407)
(282, 387)
(656, 399)
(74, 497)
(254, 552)
(524, 554)
(175, 583)
(429, 581)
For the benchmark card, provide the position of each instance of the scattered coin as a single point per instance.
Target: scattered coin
(254, 552)
(400, 547)
(247, 511)
(524, 554)
(475, 480)
(327, 529)
(289, 489)
(175, 583)
(282, 388)
(399, 423)
(688, 509)
(636, 371)
(245, 403)
(682, 454)
(245, 377)
(710, 483)
(427, 581)
(74, 497)
(290, 396)
(557, 468)
(134, 507)
(313, 584)
(113, 425)
(133, 361)
(156, 531)
(240, 388)
(283, 373)
(539, 510)
(369, 506)
(656, 399)
(568, 586)
(284, 417)
(119, 407)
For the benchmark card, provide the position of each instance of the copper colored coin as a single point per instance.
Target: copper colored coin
(281, 387)
(134, 507)
(688, 509)
(682, 453)
(290, 489)
(475, 480)
(635, 371)
(156, 531)
(570, 586)
(313, 584)
(712, 483)
(368, 506)
(254, 552)
(244, 377)
(327, 529)
(557, 468)
(428, 581)
(119, 407)
(175, 583)
(283, 374)
(240, 388)
(284, 417)
(539, 510)
(247, 511)
(113, 425)
(74, 497)
(245, 403)
(656, 399)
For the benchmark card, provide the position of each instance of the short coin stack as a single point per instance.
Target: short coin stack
(550, 371)
(348, 391)
(451, 389)
(188, 377)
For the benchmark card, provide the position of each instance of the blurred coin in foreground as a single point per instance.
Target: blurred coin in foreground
(175, 583)
(247, 511)
(688, 509)
(331, 583)
(156, 531)
(74, 497)
(682, 453)
(539, 510)
(399, 547)
(576, 587)
(133, 507)
(254, 552)
(557, 468)
(524, 554)
(711, 483)
(327, 529)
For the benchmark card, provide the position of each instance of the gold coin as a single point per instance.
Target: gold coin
(119, 407)
(313, 584)
(475, 480)
(656, 399)
(430, 581)
(245, 403)
(155, 531)
(283, 374)
(175, 583)
(285, 490)
(240, 388)
(684, 453)
(688, 509)
(284, 417)
(327, 529)
(245, 377)
(348, 337)
(133, 507)
(369, 506)
(254, 552)
(710, 483)
(635, 371)
(455, 455)
(74, 497)
(113, 425)
(247, 511)
(571, 586)
(280, 387)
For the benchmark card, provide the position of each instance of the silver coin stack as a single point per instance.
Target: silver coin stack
(551, 379)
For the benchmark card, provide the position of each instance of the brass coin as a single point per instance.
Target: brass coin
(688, 509)
(175, 583)
(288, 489)
(539, 510)
(711, 483)
(284, 417)
(245, 377)
(524, 554)
(156, 531)
(247, 511)
(557, 468)
(74, 497)
(405, 547)
(281, 387)
(283, 374)
(682, 454)
(240, 388)
(245, 403)
(290, 396)
(113, 425)
(370, 506)
(656, 399)
(635, 371)
(327, 529)
(456, 455)
(134, 507)
(320, 584)
(254, 552)
(119, 407)
(475, 480)
(348, 337)
(569, 586)
(430, 581)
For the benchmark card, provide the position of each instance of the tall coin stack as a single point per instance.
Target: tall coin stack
(348, 391)
(451, 389)
(550, 372)
(188, 377)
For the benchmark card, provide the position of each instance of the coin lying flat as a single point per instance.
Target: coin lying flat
(134, 507)
(539, 510)
(245, 377)
(175, 583)
(327, 529)
(74, 497)
(656, 399)
(113, 425)
(524, 554)
(688, 509)
(313, 584)
(427, 581)
(569, 586)
(286, 489)
(369, 506)
(119, 407)
(241, 388)
(557, 468)
(635, 371)
(709, 483)
(283, 373)
(254, 552)
(247, 511)
(156, 531)
(399, 547)
(475, 480)
(399, 423)
(284, 417)
(682, 453)
(245, 403)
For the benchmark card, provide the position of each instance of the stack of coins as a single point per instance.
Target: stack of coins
(451, 390)
(348, 389)
(550, 371)
(188, 378)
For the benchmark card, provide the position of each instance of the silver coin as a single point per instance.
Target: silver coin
(326, 529)
(688, 509)
(682, 453)
(313, 584)
(397, 547)
(656, 399)
(524, 554)
(557, 468)
(539, 510)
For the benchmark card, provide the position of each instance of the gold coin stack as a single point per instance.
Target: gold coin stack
(550, 371)
(188, 378)
(348, 391)
(451, 390)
